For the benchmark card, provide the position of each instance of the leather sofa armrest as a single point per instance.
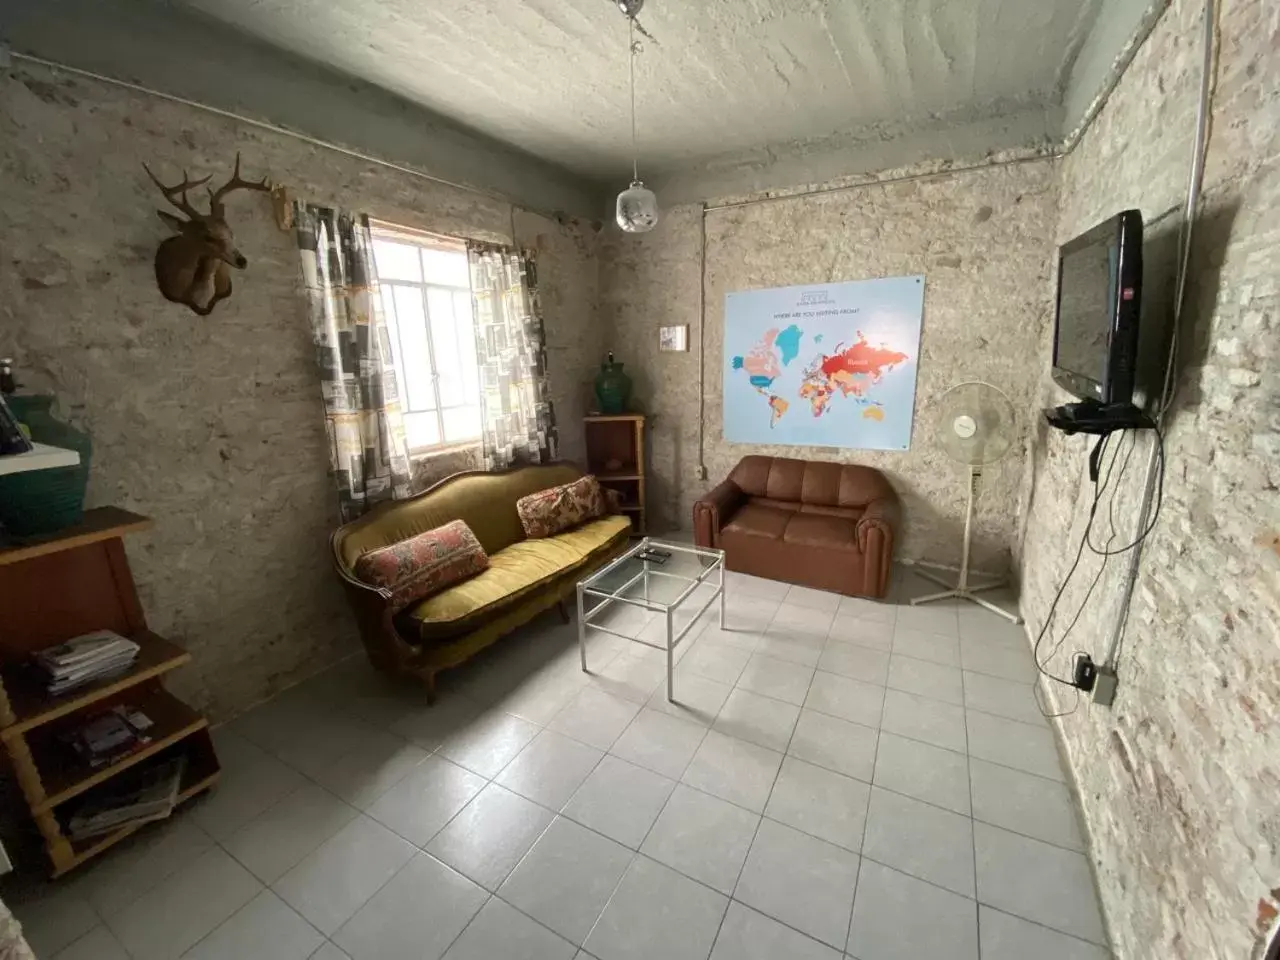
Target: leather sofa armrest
(713, 510)
(881, 515)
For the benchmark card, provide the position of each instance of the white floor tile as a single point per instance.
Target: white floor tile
(919, 718)
(1025, 803)
(794, 619)
(869, 633)
(867, 610)
(785, 644)
(840, 745)
(631, 676)
(746, 585)
(1037, 881)
(733, 770)
(1004, 698)
(330, 952)
(936, 648)
(595, 717)
(487, 839)
(747, 934)
(326, 738)
(756, 719)
(804, 882)
(657, 914)
(1011, 938)
(421, 804)
(430, 726)
(983, 625)
(367, 772)
(567, 878)
(923, 771)
(897, 917)
(938, 617)
(658, 742)
(698, 699)
(141, 863)
(932, 680)
(1022, 746)
(845, 698)
(816, 599)
(854, 661)
(743, 639)
(170, 919)
(539, 700)
(620, 800)
(997, 660)
(925, 841)
(252, 780)
(53, 917)
(817, 801)
(272, 843)
(489, 743)
(702, 837)
(336, 879)
(750, 614)
(549, 769)
(501, 932)
(779, 679)
(415, 916)
(98, 944)
(715, 661)
(266, 919)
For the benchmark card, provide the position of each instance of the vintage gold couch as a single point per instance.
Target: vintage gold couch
(525, 577)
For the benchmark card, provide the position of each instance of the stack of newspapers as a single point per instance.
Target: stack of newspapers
(85, 659)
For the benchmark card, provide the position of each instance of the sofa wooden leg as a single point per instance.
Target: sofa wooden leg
(564, 611)
(430, 680)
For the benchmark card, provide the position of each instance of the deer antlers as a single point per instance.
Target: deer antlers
(235, 183)
(177, 194)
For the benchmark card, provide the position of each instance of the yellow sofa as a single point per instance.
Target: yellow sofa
(525, 577)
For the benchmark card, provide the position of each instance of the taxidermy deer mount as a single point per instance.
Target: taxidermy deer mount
(194, 267)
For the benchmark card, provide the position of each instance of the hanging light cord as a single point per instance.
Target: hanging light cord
(632, 46)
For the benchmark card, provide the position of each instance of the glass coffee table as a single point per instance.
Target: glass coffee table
(676, 581)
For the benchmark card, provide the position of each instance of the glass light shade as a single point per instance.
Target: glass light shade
(637, 208)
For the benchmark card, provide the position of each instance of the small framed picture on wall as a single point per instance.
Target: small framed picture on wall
(674, 339)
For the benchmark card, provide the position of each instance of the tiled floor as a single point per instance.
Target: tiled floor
(841, 779)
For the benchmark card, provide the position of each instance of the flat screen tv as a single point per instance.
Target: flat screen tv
(1095, 341)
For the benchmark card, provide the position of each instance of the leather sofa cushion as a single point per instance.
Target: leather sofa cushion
(823, 532)
(515, 571)
(754, 519)
(810, 481)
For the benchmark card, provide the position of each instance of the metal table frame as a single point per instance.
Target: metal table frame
(587, 588)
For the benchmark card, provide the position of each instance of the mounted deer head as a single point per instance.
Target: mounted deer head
(193, 268)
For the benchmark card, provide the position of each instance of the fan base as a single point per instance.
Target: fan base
(964, 593)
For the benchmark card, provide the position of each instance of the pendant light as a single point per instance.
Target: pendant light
(637, 205)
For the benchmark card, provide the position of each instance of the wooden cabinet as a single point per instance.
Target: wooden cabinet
(58, 587)
(616, 455)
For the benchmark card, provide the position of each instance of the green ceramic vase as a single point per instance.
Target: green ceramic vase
(44, 501)
(613, 387)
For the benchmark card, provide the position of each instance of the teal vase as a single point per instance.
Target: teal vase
(44, 501)
(613, 387)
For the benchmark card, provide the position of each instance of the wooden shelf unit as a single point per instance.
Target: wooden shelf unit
(60, 586)
(620, 438)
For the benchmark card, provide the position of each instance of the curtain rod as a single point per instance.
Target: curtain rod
(282, 131)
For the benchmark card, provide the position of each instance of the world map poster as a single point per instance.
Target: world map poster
(829, 365)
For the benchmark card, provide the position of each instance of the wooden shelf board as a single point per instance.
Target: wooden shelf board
(609, 417)
(65, 776)
(92, 848)
(619, 476)
(101, 523)
(32, 707)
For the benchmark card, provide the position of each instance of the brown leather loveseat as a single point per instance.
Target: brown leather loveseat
(819, 524)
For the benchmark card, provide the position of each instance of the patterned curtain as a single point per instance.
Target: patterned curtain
(517, 421)
(367, 451)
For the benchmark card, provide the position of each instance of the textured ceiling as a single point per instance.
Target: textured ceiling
(724, 77)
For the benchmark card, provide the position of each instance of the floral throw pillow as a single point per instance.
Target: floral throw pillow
(556, 509)
(424, 565)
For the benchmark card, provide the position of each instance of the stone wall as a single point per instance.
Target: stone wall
(1179, 779)
(213, 426)
(983, 240)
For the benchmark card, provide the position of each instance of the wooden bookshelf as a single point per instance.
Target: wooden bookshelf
(54, 588)
(616, 455)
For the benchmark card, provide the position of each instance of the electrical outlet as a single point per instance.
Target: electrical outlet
(702, 471)
(1104, 686)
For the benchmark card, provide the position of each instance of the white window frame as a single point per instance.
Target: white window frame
(425, 241)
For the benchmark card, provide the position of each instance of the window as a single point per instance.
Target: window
(426, 296)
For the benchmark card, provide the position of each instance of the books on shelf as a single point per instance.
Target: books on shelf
(84, 659)
(110, 736)
(148, 792)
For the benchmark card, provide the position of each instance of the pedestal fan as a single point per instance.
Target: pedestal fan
(975, 428)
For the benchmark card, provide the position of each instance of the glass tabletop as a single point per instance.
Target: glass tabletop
(657, 573)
